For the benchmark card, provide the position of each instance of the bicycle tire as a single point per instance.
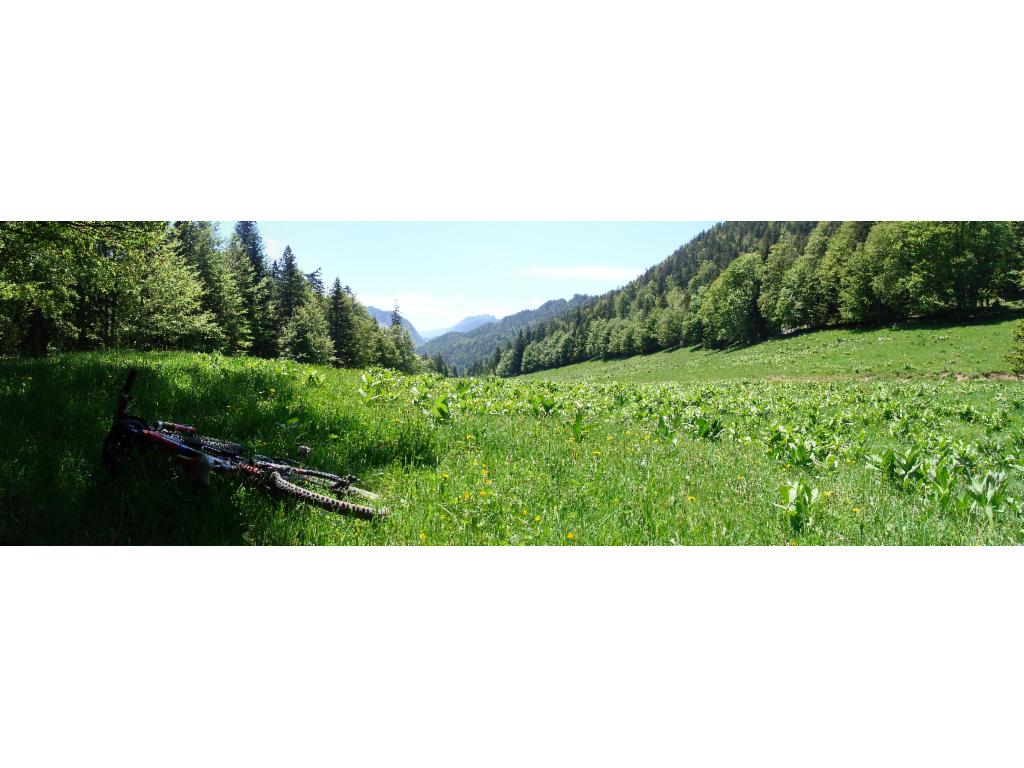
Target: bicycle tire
(325, 502)
(331, 481)
(306, 476)
(362, 492)
(213, 445)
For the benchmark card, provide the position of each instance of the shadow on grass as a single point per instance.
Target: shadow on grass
(56, 412)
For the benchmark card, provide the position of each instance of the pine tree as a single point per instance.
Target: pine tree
(396, 317)
(316, 282)
(291, 286)
(515, 365)
(251, 241)
(257, 300)
(197, 243)
(341, 321)
(167, 311)
(225, 300)
(403, 350)
(307, 337)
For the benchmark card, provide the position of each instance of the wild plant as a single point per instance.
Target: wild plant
(797, 502)
(987, 493)
(709, 428)
(578, 427)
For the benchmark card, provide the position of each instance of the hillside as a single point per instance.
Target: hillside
(905, 350)
(743, 282)
(383, 318)
(470, 351)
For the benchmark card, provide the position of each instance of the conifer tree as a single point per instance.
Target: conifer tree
(197, 243)
(166, 311)
(291, 286)
(251, 242)
(404, 349)
(341, 321)
(316, 282)
(307, 337)
(257, 300)
(225, 300)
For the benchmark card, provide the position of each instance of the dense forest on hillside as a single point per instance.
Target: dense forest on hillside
(476, 351)
(177, 285)
(741, 282)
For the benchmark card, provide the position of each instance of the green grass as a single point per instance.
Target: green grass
(899, 351)
(541, 462)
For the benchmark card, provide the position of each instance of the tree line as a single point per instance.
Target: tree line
(178, 285)
(741, 282)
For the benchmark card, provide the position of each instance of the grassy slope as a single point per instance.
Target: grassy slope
(502, 469)
(911, 349)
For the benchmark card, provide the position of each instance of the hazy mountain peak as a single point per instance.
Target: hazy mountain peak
(383, 318)
(464, 325)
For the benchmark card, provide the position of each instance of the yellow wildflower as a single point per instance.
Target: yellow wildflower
(536, 518)
(423, 536)
(570, 535)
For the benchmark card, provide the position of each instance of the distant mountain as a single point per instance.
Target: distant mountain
(464, 325)
(383, 318)
(470, 349)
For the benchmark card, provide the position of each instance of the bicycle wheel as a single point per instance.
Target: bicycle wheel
(213, 445)
(324, 502)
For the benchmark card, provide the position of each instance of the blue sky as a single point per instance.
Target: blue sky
(440, 272)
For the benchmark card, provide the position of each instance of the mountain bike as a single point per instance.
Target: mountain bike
(204, 456)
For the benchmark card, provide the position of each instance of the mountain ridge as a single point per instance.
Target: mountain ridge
(383, 318)
(464, 325)
(468, 351)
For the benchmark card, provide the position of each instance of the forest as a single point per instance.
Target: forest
(743, 282)
(478, 350)
(79, 286)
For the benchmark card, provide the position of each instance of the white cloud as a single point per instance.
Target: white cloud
(583, 272)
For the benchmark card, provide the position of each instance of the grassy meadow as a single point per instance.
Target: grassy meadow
(898, 351)
(838, 437)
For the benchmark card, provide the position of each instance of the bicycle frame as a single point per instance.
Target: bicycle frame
(224, 457)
